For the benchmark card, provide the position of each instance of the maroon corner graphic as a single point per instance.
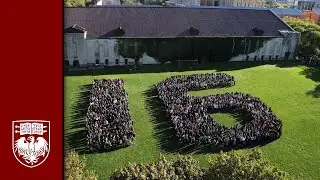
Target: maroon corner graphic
(31, 141)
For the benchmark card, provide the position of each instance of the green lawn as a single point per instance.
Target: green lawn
(225, 119)
(291, 92)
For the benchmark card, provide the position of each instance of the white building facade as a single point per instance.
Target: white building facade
(106, 38)
(81, 52)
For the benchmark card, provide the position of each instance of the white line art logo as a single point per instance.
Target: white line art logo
(31, 141)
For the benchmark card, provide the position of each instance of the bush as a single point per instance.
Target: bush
(234, 166)
(226, 166)
(183, 167)
(74, 168)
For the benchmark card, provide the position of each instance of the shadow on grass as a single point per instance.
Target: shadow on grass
(165, 133)
(157, 68)
(75, 137)
(313, 74)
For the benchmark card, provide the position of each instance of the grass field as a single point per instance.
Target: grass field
(293, 93)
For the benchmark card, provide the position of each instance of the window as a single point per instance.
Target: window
(262, 57)
(125, 61)
(97, 50)
(125, 46)
(115, 48)
(136, 46)
(106, 49)
(117, 61)
(242, 42)
(249, 46)
(75, 50)
(257, 44)
(106, 61)
(270, 57)
(66, 64)
(76, 63)
(65, 50)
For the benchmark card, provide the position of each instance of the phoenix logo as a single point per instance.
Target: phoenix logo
(31, 141)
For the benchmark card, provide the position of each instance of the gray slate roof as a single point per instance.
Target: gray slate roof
(172, 22)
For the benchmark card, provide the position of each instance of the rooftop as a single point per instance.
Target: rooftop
(172, 22)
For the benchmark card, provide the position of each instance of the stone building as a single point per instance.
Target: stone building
(123, 35)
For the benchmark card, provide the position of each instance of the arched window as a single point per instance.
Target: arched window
(106, 49)
(136, 46)
(75, 50)
(97, 50)
(115, 48)
(65, 52)
(257, 44)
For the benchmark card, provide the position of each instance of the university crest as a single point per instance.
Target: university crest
(31, 141)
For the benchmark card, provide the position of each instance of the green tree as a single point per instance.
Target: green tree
(233, 166)
(310, 35)
(76, 3)
(128, 2)
(74, 168)
(182, 167)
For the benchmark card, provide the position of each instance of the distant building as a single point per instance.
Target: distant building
(308, 4)
(106, 2)
(186, 2)
(243, 3)
(288, 12)
(313, 15)
(282, 1)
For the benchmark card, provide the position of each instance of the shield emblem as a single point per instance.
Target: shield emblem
(31, 141)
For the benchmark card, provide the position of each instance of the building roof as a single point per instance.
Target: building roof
(279, 11)
(317, 11)
(172, 22)
(287, 11)
(74, 29)
(308, 0)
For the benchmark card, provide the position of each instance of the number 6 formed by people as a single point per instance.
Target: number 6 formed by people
(191, 115)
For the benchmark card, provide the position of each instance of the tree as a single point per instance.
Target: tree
(128, 2)
(74, 168)
(226, 166)
(234, 166)
(76, 3)
(310, 35)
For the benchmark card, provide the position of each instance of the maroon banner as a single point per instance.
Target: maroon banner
(31, 89)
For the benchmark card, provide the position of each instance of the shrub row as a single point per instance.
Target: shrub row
(227, 166)
(108, 120)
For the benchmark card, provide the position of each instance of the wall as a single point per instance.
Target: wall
(186, 2)
(75, 47)
(244, 3)
(102, 49)
(314, 17)
(107, 2)
(275, 48)
(97, 51)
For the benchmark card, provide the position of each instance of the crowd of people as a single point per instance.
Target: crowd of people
(191, 115)
(108, 120)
